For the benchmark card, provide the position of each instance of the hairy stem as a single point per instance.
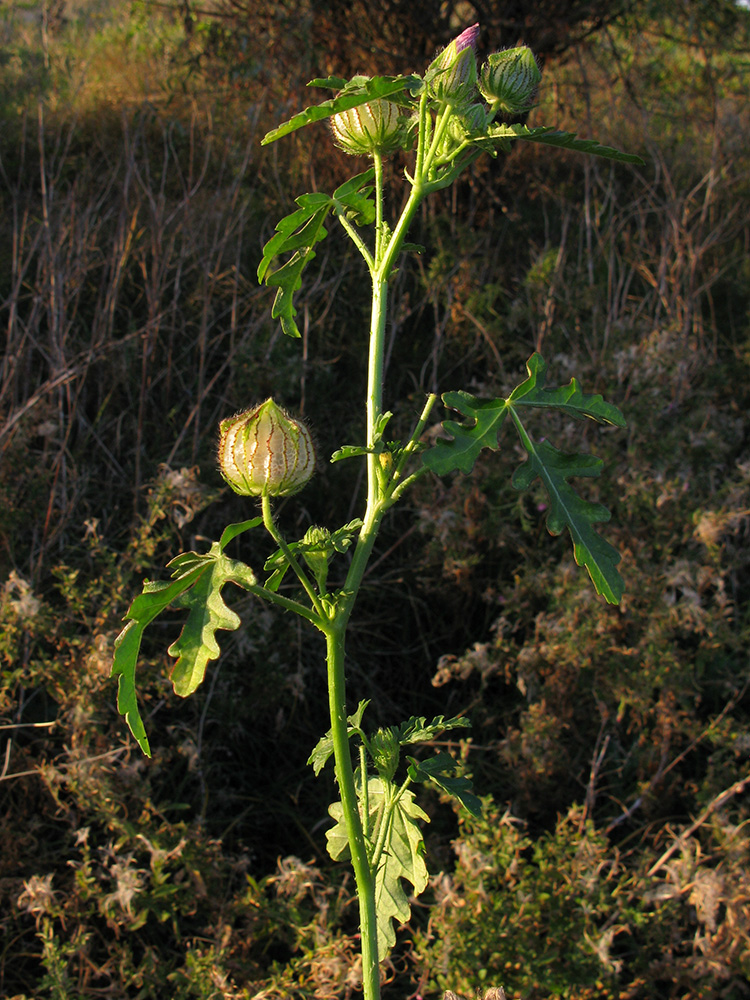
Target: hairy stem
(357, 846)
(273, 531)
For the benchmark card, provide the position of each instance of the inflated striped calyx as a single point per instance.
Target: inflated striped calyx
(375, 127)
(264, 451)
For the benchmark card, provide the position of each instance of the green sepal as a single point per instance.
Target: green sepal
(317, 546)
(323, 749)
(440, 769)
(384, 752)
(549, 136)
(358, 90)
(402, 856)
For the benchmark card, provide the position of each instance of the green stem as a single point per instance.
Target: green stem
(379, 233)
(273, 531)
(356, 240)
(387, 249)
(345, 776)
(285, 603)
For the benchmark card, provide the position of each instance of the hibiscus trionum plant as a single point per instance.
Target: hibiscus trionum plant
(445, 119)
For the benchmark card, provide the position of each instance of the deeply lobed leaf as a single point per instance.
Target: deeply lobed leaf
(568, 509)
(461, 450)
(401, 857)
(553, 137)
(354, 92)
(196, 585)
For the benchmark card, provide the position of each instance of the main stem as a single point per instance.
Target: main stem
(386, 252)
(364, 877)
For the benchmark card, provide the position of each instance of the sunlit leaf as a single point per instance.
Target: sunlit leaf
(566, 140)
(232, 530)
(298, 233)
(197, 643)
(155, 598)
(568, 510)
(440, 769)
(418, 730)
(359, 90)
(196, 585)
(401, 858)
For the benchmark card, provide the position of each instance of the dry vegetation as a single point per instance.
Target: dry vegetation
(611, 744)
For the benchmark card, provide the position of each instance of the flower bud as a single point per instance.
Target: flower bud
(509, 79)
(452, 75)
(369, 128)
(471, 120)
(264, 451)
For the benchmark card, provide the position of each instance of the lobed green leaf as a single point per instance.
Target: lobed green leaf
(418, 730)
(440, 769)
(358, 90)
(567, 398)
(155, 598)
(401, 857)
(196, 585)
(299, 232)
(461, 451)
(197, 643)
(552, 137)
(568, 509)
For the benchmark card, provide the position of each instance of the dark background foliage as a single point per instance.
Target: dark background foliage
(611, 744)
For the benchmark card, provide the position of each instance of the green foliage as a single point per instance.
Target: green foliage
(542, 917)
(567, 509)
(358, 90)
(197, 582)
(299, 232)
(395, 836)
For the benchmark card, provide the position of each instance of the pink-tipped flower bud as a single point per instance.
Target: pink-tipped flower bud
(375, 127)
(452, 75)
(509, 80)
(264, 451)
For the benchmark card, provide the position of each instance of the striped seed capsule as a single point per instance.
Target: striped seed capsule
(264, 451)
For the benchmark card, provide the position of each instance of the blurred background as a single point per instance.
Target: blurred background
(611, 745)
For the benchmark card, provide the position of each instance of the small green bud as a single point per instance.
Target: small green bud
(471, 120)
(265, 451)
(509, 79)
(385, 751)
(375, 127)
